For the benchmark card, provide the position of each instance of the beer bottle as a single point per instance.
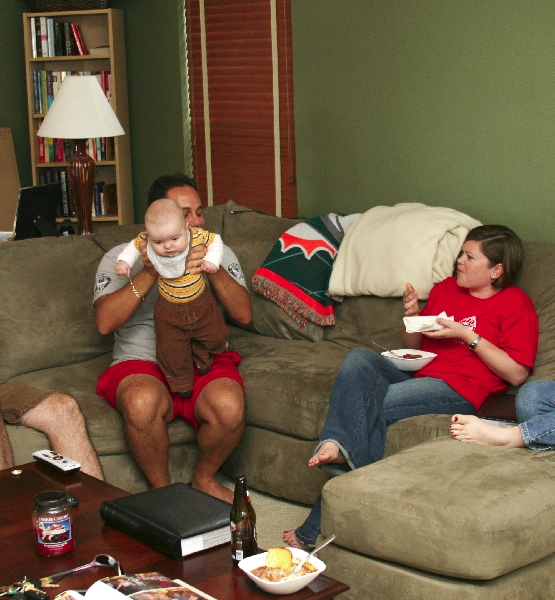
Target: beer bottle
(243, 523)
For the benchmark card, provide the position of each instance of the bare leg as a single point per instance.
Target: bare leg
(220, 413)
(59, 417)
(471, 429)
(290, 539)
(145, 405)
(327, 453)
(6, 454)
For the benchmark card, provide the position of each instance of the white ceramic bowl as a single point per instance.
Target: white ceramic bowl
(281, 587)
(409, 364)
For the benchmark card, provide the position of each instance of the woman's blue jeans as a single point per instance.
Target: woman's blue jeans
(368, 395)
(535, 411)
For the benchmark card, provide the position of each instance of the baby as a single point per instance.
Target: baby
(189, 326)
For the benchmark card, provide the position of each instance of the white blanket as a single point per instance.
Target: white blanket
(389, 246)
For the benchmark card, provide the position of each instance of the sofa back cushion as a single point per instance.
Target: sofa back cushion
(537, 279)
(46, 316)
(251, 236)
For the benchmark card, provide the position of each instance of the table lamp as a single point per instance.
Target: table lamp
(80, 111)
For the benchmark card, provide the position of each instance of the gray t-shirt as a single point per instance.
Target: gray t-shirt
(135, 339)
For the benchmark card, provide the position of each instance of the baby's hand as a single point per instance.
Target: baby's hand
(122, 268)
(208, 267)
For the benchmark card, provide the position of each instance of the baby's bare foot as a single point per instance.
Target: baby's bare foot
(327, 453)
(471, 429)
(290, 539)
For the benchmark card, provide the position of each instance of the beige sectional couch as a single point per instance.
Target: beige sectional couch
(396, 522)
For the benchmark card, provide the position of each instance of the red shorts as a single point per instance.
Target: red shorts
(224, 366)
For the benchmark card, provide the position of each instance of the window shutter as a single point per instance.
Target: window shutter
(239, 79)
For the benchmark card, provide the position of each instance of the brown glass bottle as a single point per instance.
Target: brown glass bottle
(243, 523)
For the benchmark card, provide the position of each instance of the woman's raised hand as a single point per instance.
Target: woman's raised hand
(410, 301)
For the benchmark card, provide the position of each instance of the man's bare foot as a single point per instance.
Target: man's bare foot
(290, 539)
(214, 488)
(327, 453)
(471, 429)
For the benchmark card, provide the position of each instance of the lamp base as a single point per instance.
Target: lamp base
(81, 171)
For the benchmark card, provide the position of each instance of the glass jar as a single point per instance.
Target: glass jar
(53, 523)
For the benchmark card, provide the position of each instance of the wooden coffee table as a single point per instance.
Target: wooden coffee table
(212, 571)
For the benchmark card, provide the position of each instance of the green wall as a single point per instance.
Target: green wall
(443, 102)
(154, 68)
(435, 101)
(13, 95)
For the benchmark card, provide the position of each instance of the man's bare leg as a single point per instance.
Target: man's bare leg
(6, 454)
(146, 408)
(59, 417)
(220, 413)
(473, 430)
(327, 453)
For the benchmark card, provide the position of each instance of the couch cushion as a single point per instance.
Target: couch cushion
(456, 509)
(406, 433)
(287, 382)
(361, 320)
(251, 236)
(47, 318)
(537, 279)
(104, 424)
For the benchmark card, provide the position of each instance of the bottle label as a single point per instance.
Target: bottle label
(238, 555)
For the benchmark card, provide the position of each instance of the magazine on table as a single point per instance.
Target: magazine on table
(142, 586)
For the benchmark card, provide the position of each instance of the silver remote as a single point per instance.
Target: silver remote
(57, 461)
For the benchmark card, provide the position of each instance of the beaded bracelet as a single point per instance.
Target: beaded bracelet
(135, 290)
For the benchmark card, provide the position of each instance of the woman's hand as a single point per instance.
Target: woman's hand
(452, 331)
(410, 301)
(494, 358)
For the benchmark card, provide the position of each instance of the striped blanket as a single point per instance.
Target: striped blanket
(296, 273)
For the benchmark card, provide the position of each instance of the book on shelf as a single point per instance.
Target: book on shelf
(111, 199)
(151, 586)
(50, 36)
(78, 39)
(59, 174)
(43, 36)
(176, 520)
(69, 49)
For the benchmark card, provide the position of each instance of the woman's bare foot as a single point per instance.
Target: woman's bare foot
(471, 429)
(290, 539)
(327, 453)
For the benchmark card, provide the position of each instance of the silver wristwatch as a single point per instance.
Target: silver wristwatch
(475, 343)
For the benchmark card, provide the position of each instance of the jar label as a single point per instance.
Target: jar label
(54, 534)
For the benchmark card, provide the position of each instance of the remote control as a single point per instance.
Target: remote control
(63, 464)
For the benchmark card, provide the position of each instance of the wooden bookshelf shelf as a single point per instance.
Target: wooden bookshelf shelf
(102, 31)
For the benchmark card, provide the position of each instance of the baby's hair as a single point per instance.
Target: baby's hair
(161, 211)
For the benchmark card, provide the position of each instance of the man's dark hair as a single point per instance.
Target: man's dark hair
(163, 184)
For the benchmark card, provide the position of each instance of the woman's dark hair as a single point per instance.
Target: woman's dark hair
(500, 245)
(164, 184)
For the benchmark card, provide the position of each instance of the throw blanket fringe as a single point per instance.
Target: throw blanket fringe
(294, 301)
(296, 272)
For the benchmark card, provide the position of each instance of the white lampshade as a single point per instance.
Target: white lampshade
(80, 110)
